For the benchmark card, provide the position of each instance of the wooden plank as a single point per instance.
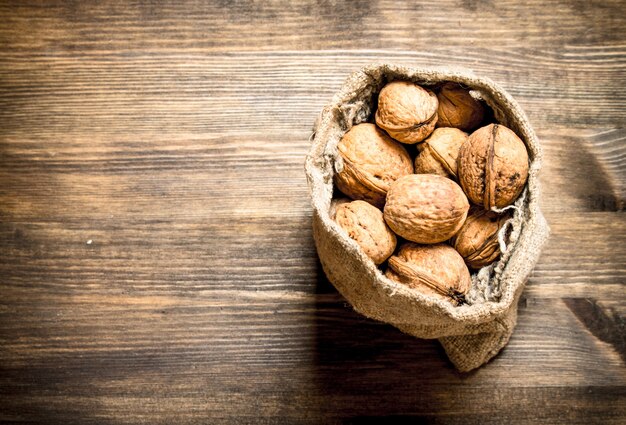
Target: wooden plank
(260, 175)
(200, 254)
(234, 93)
(300, 25)
(584, 248)
(161, 335)
(583, 170)
(528, 405)
(182, 357)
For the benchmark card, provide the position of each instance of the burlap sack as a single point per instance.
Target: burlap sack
(470, 334)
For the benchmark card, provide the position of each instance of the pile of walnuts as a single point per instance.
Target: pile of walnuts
(424, 199)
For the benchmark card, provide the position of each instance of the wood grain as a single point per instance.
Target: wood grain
(156, 256)
(92, 26)
(199, 95)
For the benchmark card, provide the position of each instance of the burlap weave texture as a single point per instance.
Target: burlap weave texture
(471, 334)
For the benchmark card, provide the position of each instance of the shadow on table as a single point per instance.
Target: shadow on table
(366, 369)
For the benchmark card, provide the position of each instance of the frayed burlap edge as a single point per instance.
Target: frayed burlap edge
(471, 334)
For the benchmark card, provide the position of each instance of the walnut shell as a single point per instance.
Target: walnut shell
(365, 224)
(477, 241)
(371, 162)
(439, 153)
(493, 166)
(436, 270)
(457, 108)
(425, 208)
(406, 111)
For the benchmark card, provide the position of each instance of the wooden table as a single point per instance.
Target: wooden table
(156, 257)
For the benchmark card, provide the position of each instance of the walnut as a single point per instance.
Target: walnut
(439, 153)
(477, 241)
(371, 162)
(457, 108)
(425, 208)
(493, 166)
(365, 224)
(436, 270)
(406, 111)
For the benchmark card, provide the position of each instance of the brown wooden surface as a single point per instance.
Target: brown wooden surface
(156, 258)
